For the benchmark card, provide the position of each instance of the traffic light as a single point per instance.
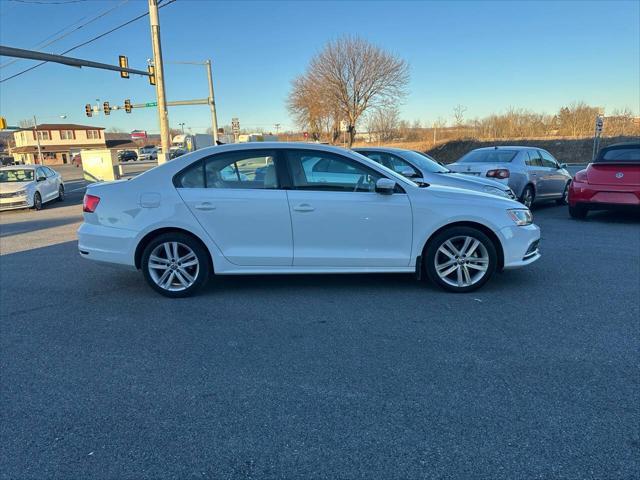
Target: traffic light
(3, 123)
(127, 105)
(87, 110)
(124, 63)
(152, 74)
(106, 108)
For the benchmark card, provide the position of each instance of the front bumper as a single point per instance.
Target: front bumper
(520, 245)
(107, 244)
(12, 203)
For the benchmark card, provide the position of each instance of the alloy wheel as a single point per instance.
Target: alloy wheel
(173, 266)
(527, 197)
(37, 201)
(461, 261)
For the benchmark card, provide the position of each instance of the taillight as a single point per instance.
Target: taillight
(498, 173)
(581, 176)
(90, 203)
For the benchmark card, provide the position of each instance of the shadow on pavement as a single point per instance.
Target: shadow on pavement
(16, 228)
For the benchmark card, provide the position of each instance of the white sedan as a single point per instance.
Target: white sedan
(189, 218)
(29, 186)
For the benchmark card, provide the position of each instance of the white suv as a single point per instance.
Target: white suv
(284, 208)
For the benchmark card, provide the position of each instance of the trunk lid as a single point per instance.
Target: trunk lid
(621, 174)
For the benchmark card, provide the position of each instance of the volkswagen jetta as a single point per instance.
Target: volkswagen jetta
(284, 208)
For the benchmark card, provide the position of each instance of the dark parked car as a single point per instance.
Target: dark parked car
(6, 160)
(126, 155)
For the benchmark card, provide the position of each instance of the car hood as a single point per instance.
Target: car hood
(474, 198)
(461, 180)
(10, 187)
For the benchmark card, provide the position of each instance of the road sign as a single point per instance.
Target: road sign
(599, 124)
(235, 126)
(151, 104)
(343, 126)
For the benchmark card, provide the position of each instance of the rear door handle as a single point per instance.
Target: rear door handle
(205, 206)
(304, 207)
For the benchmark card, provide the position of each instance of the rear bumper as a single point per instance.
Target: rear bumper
(107, 244)
(520, 245)
(603, 196)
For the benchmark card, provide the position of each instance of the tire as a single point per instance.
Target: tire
(180, 281)
(61, 193)
(528, 196)
(565, 196)
(578, 211)
(37, 201)
(482, 254)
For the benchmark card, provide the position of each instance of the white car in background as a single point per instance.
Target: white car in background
(29, 186)
(148, 152)
(262, 209)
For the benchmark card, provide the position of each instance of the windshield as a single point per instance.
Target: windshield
(489, 156)
(620, 155)
(424, 162)
(16, 175)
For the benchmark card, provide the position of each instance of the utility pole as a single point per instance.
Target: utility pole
(35, 130)
(277, 125)
(163, 114)
(182, 126)
(212, 103)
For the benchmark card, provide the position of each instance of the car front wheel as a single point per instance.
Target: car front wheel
(565, 196)
(37, 201)
(460, 259)
(175, 264)
(61, 193)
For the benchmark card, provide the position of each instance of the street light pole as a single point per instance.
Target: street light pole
(212, 104)
(163, 114)
(182, 126)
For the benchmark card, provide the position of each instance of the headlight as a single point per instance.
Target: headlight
(495, 191)
(521, 216)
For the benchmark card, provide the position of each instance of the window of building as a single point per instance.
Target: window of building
(66, 134)
(93, 134)
(43, 135)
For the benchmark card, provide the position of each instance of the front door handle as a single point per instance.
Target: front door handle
(205, 206)
(304, 207)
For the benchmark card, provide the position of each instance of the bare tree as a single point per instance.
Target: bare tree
(458, 114)
(351, 76)
(383, 123)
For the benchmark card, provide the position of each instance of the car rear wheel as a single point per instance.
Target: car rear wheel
(175, 264)
(565, 196)
(528, 196)
(578, 211)
(37, 201)
(460, 259)
(61, 193)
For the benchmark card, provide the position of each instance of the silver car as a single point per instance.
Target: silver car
(421, 168)
(532, 173)
(29, 186)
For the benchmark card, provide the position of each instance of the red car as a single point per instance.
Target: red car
(612, 181)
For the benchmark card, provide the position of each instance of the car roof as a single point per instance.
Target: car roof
(381, 149)
(508, 147)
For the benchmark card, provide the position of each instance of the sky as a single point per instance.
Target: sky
(487, 56)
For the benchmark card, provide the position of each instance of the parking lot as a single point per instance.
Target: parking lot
(534, 376)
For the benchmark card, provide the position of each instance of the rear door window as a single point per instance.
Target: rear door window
(534, 159)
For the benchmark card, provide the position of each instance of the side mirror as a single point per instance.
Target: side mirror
(385, 186)
(408, 172)
(563, 165)
(41, 179)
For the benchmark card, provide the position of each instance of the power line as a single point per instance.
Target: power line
(41, 45)
(168, 2)
(41, 2)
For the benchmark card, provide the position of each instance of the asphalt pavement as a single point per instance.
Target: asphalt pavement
(379, 376)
